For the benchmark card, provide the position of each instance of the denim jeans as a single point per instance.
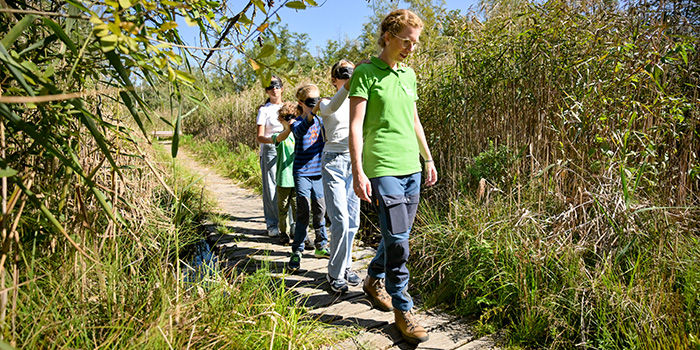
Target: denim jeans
(343, 207)
(396, 201)
(268, 168)
(309, 199)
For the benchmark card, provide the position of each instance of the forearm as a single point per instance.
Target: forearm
(265, 139)
(281, 136)
(355, 142)
(420, 137)
(261, 135)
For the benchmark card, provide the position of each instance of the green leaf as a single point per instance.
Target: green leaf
(89, 122)
(41, 43)
(17, 30)
(176, 132)
(130, 106)
(7, 172)
(116, 63)
(299, 5)
(79, 5)
(185, 76)
(625, 192)
(13, 67)
(259, 4)
(312, 2)
(61, 34)
(198, 102)
(266, 51)
(280, 62)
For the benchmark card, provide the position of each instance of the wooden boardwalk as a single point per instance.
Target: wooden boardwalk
(248, 247)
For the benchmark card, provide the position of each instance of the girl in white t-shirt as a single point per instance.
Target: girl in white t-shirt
(267, 125)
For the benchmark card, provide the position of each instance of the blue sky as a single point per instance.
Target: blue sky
(334, 19)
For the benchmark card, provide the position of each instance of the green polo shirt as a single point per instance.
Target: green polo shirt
(390, 146)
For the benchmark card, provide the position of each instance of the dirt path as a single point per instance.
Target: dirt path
(248, 247)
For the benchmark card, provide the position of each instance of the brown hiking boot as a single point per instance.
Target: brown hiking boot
(374, 288)
(409, 327)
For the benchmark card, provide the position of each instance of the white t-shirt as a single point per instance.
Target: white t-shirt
(336, 121)
(267, 117)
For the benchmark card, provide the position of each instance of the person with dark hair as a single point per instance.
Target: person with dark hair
(386, 142)
(268, 124)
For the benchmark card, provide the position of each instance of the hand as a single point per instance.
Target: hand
(284, 123)
(431, 174)
(362, 187)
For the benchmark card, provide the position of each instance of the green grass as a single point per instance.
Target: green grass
(240, 163)
(135, 298)
(517, 269)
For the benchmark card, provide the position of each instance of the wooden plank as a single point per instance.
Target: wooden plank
(446, 340)
(164, 133)
(369, 319)
(483, 343)
(328, 298)
(372, 339)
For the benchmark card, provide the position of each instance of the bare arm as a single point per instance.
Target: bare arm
(360, 182)
(431, 177)
(261, 135)
(285, 133)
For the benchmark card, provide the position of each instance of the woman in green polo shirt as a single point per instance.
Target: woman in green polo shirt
(386, 142)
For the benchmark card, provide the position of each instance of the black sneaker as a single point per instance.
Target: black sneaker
(337, 285)
(294, 262)
(352, 278)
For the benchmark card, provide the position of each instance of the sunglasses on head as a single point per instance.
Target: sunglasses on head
(343, 72)
(274, 84)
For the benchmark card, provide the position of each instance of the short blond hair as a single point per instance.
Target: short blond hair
(396, 21)
(304, 91)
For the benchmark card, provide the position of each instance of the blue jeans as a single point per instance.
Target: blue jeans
(268, 168)
(343, 208)
(396, 201)
(309, 199)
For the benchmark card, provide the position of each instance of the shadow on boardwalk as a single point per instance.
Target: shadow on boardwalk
(249, 249)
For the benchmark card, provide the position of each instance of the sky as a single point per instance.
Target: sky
(332, 20)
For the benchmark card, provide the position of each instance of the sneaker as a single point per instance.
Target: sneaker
(409, 327)
(337, 285)
(352, 278)
(322, 253)
(374, 288)
(294, 261)
(273, 232)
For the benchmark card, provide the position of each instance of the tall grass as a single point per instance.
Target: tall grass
(136, 296)
(587, 239)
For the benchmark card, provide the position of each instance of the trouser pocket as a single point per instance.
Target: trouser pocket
(399, 211)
